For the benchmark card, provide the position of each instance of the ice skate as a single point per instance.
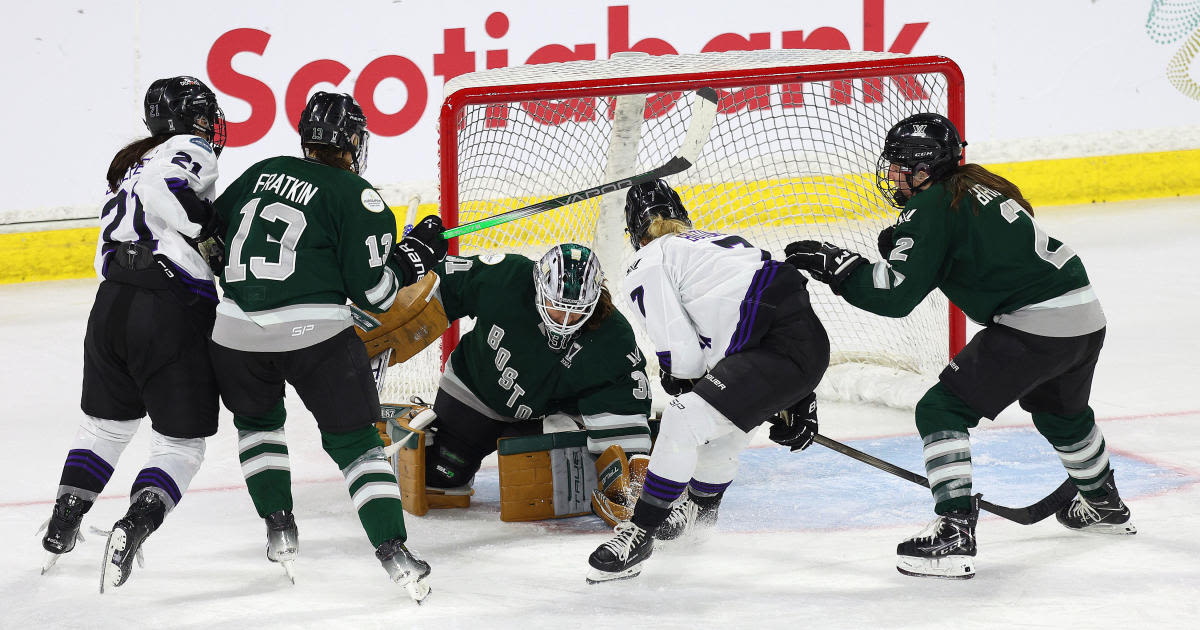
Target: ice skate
(944, 549)
(686, 518)
(283, 541)
(404, 568)
(621, 558)
(1106, 514)
(62, 530)
(125, 541)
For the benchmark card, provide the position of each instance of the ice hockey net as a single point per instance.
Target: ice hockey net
(791, 155)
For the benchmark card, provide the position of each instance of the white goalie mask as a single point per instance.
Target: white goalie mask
(568, 280)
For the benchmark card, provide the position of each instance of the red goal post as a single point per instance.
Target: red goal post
(791, 155)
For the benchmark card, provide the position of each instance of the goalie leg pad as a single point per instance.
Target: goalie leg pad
(406, 448)
(545, 476)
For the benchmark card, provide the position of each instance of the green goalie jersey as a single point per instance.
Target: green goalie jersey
(988, 256)
(505, 363)
(302, 238)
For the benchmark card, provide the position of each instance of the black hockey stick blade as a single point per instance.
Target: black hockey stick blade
(704, 113)
(1027, 515)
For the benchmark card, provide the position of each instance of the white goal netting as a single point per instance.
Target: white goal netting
(791, 156)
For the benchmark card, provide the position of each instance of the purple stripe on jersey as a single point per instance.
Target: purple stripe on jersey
(662, 488)
(157, 478)
(709, 489)
(203, 288)
(89, 468)
(176, 184)
(81, 454)
(749, 307)
(664, 360)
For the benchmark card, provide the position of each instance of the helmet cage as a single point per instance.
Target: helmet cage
(335, 120)
(926, 143)
(568, 278)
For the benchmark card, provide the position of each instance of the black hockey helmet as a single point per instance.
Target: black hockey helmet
(923, 142)
(647, 200)
(184, 104)
(335, 120)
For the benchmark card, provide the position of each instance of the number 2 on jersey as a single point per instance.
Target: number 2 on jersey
(1011, 211)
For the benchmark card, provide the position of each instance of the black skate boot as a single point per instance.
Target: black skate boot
(944, 549)
(621, 558)
(62, 530)
(145, 514)
(1106, 514)
(283, 540)
(404, 568)
(686, 517)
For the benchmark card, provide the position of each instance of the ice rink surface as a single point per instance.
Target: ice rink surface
(805, 539)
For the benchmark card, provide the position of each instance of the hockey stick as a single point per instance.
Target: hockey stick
(1027, 515)
(704, 112)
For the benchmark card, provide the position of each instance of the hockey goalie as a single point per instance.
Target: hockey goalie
(550, 376)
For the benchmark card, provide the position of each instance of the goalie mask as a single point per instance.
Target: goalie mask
(927, 143)
(335, 120)
(184, 105)
(568, 281)
(646, 201)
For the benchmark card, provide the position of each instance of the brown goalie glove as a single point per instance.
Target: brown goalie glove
(415, 320)
(620, 482)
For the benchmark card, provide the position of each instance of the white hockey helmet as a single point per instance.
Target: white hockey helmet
(568, 280)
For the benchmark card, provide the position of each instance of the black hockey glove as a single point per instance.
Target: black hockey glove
(796, 426)
(886, 241)
(676, 386)
(423, 248)
(210, 242)
(825, 262)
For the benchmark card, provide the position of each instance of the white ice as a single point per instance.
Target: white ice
(831, 565)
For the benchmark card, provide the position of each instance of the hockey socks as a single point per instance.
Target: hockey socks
(370, 482)
(263, 452)
(97, 446)
(1080, 445)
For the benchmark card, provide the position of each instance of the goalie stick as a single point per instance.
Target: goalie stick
(704, 112)
(1027, 515)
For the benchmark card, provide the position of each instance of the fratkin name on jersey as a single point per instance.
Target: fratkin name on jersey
(696, 294)
(145, 207)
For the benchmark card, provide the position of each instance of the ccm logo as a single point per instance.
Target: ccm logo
(300, 330)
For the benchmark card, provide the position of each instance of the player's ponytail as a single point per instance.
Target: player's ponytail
(128, 156)
(660, 226)
(964, 177)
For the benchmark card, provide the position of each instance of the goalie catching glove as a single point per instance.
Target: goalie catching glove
(796, 426)
(825, 262)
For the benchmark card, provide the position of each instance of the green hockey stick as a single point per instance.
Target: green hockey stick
(704, 112)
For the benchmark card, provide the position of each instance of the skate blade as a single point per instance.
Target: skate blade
(48, 563)
(596, 576)
(947, 568)
(287, 568)
(418, 590)
(110, 574)
(1110, 529)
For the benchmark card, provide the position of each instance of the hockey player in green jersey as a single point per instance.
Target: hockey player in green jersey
(304, 236)
(971, 233)
(547, 340)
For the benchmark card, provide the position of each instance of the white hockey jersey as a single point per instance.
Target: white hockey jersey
(696, 295)
(143, 208)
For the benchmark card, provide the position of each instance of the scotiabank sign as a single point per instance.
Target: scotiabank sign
(455, 59)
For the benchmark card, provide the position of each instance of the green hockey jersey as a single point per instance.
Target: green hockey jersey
(302, 238)
(989, 257)
(505, 369)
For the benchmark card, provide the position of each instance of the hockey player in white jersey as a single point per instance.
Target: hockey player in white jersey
(145, 350)
(736, 340)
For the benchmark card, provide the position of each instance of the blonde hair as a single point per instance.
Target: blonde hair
(662, 227)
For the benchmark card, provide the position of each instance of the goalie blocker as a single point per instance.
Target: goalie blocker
(415, 320)
(541, 476)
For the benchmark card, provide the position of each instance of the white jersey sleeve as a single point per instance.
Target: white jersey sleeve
(697, 295)
(146, 206)
(656, 305)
